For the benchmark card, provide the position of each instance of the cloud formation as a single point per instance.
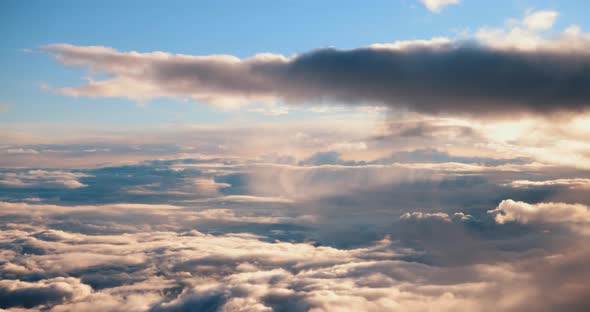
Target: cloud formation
(499, 74)
(420, 213)
(219, 234)
(44, 292)
(437, 5)
(517, 211)
(569, 183)
(42, 179)
(540, 20)
(181, 270)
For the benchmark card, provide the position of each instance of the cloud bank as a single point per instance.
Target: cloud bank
(500, 73)
(224, 234)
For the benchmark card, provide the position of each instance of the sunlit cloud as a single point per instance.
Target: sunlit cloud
(448, 173)
(446, 78)
(437, 5)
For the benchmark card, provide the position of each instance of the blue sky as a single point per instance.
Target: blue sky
(238, 28)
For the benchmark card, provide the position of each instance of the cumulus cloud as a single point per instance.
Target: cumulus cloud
(517, 211)
(264, 237)
(512, 71)
(183, 270)
(540, 20)
(529, 35)
(437, 5)
(15, 293)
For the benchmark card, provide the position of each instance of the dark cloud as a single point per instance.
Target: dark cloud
(464, 80)
(458, 78)
(45, 292)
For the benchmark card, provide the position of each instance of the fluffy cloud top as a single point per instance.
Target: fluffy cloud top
(540, 20)
(178, 270)
(517, 211)
(15, 293)
(226, 235)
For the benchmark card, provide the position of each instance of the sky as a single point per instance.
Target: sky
(411, 155)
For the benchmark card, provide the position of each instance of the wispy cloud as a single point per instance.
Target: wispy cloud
(437, 5)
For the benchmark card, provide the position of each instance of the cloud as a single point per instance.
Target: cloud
(42, 179)
(569, 183)
(18, 151)
(517, 211)
(331, 214)
(347, 146)
(540, 20)
(363, 237)
(435, 156)
(327, 158)
(511, 71)
(184, 270)
(529, 34)
(425, 215)
(221, 232)
(437, 5)
(15, 293)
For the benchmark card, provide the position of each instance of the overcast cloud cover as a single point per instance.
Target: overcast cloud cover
(443, 174)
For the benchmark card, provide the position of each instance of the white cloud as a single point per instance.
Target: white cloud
(426, 215)
(347, 146)
(243, 271)
(270, 110)
(19, 151)
(15, 293)
(528, 35)
(43, 178)
(437, 5)
(517, 211)
(435, 43)
(570, 183)
(208, 186)
(540, 20)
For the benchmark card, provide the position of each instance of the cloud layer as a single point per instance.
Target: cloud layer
(179, 269)
(220, 234)
(408, 231)
(338, 212)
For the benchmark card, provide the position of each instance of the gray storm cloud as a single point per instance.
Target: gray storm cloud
(429, 77)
